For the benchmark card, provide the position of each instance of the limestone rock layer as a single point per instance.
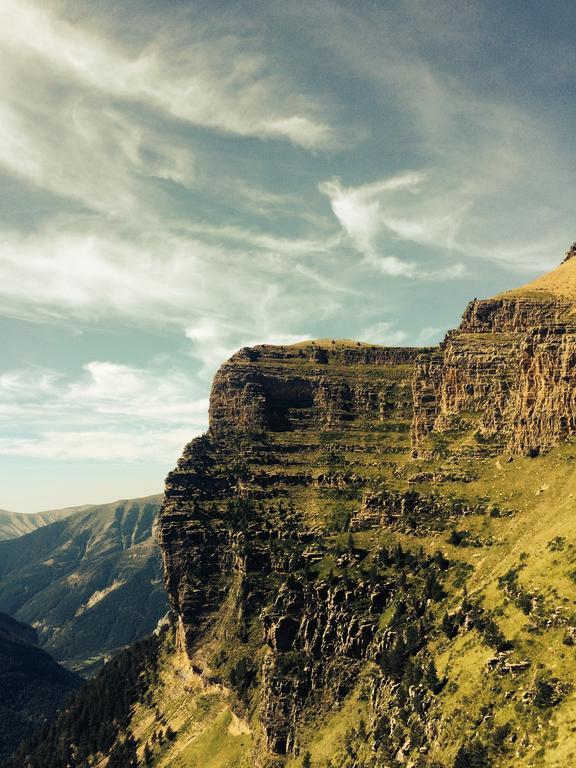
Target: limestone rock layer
(507, 375)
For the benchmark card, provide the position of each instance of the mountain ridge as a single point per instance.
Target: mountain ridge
(90, 583)
(370, 558)
(14, 524)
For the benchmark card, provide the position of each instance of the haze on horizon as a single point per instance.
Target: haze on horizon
(181, 179)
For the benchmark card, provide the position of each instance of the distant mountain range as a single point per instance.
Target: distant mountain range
(90, 582)
(32, 684)
(14, 524)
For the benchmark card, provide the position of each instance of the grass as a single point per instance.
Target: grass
(207, 733)
(327, 738)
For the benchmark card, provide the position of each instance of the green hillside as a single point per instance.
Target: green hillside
(90, 584)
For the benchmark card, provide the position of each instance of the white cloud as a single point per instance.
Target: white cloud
(161, 278)
(213, 82)
(100, 445)
(220, 298)
(104, 392)
(212, 342)
(384, 333)
(399, 208)
(359, 211)
(104, 158)
(437, 213)
(112, 389)
(111, 411)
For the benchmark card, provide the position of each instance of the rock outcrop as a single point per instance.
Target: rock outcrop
(281, 425)
(507, 375)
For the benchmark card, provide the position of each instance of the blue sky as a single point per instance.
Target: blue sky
(180, 179)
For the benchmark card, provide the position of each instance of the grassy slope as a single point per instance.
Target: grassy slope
(207, 733)
(560, 283)
(543, 491)
(540, 536)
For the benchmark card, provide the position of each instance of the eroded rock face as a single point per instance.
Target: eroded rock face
(508, 373)
(309, 387)
(293, 442)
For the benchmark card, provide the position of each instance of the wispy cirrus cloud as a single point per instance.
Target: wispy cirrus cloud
(398, 208)
(236, 295)
(360, 213)
(495, 157)
(111, 128)
(104, 390)
(216, 83)
(100, 445)
(109, 411)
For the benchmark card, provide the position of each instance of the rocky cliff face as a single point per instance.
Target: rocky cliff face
(507, 375)
(282, 527)
(299, 420)
(271, 592)
(296, 435)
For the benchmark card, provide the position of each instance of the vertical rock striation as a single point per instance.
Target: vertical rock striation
(508, 373)
(295, 435)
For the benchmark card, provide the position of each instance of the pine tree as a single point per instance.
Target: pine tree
(148, 758)
(431, 677)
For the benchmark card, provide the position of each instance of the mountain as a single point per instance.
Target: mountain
(90, 583)
(32, 685)
(370, 559)
(15, 630)
(14, 524)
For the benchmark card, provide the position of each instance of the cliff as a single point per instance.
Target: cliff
(272, 525)
(289, 426)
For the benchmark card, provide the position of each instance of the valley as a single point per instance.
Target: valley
(90, 583)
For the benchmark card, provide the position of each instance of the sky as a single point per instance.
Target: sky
(179, 179)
